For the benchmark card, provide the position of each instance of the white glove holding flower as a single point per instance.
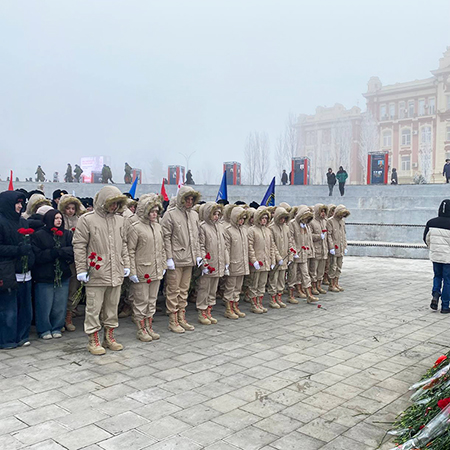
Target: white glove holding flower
(296, 256)
(333, 251)
(134, 279)
(322, 235)
(199, 261)
(205, 271)
(345, 251)
(280, 262)
(126, 272)
(170, 264)
(83, 277)
(256, 265)
(272, 266)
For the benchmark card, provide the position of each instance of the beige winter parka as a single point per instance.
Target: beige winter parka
(280, 235)
(301, 237)
(260, 242)
(318, 227)
(70, 222)
(145, 241)
(237, 244)
(336, 229)
(34, 203)
(180, 230)
(212, 241)
(103, 233)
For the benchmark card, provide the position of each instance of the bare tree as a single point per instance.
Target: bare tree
(257, 157)
(369, 141)
(250, 156)
(280, 155)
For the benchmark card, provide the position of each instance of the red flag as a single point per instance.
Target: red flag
(163, 192)
(10, 187)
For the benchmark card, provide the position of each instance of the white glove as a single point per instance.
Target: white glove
(303, 225)
(272, 266)
(164, 272)
(280, 262)
(134, 279)
(333, 251)
(199, 261)
(83, 277)
(322, 235)
(345, 251)
(126, 272)
(289, 263)
(205, 271)
(256, 265)
(170, 264)
(227, 273)
(227, 266)
(296, 256)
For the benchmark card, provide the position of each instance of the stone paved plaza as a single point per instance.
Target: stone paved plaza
(302, 378)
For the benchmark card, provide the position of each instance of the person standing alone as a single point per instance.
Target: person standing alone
(446, 170)
(331, 180)
(341, 176)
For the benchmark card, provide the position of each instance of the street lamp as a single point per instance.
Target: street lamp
(187, 158)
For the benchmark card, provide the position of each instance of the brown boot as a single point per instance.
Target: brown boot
(261, 307)
(311, 297)
(314, 289)
(173, 323)
(203, 317)
(237, 311)
(332, 287)
(273, 302)
(229, 311)
(320, 288)
(291, 298)
(110, 342)
(326, 279)
(300, 292)
(69, 325)
(142, 333)
(210, 317)
(341, 289)
(278, 300)
(149, 326)
(94, 345)
(255, 307)
(182, 321)
(126, 311)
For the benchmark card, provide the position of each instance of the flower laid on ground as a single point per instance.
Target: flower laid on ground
(440, 360)
(26, 233)
(443, 402)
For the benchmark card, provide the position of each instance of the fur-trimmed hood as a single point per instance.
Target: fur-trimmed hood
(280, 213)
(67, 199)
(35, 201)
(259, 214)
(341, 212)
(293, 212)
(250, 215)
(208, 210)
(331, 209)
(105, 197)
(286, 206)
(319, 207)
(146, 203)
(304, 214)
(227, 212)
(186, 191)
(237, 214)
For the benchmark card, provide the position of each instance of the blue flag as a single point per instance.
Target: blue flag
(223, 194)
(134, 187)
(269, 197)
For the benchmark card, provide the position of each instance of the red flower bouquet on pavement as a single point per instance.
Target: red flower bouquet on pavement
(26, 233)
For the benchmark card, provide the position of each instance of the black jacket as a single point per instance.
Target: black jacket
(331, 178)
(446, 170)
(284, 178)
(46, 252)
(36, 221)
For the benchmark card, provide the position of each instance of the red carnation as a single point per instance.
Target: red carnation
(94, 254)
(303, 247)
(208, 256)
(92, 264)
(324, 231)
(307, 248)
(149, 281)
(260, 263)
(440, 360)
(97, 267)
(54, 229)
(336, 247)
(212, 269)
(99, 258)
(319, 306)
(73, 229)
(59, 233)
(421, 426)
(443, 403)
(146, 276)
(91, 257)
(292, 250)
(21, 230)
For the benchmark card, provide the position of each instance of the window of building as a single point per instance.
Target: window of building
(391, 110)
(406, 136)
(401, 110)
(383, 115)
(411, 108)
(431, 105)
(426, 135)
(387, 138)
(422, 107)
(406, 163)
(448, 133)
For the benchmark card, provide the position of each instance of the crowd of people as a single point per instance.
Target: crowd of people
(118, 254)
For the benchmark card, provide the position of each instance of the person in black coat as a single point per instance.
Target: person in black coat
(331, 181)
(446, 170)
(52, 246)
(16, 258)
(284, 178)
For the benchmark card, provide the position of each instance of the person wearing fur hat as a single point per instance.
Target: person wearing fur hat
(236, 239)
(71, 209)
(277, 276)
(261, 252)
(321, 242)
(326, 278)
(180, 231)
(102, 262)
(302, 244)
(338, 238)
(34, 202)
(56, 196)
(147, 263)
(215, 260)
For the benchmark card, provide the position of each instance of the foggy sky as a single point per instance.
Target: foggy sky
(143, 79)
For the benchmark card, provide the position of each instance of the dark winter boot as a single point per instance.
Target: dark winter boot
(435, 301)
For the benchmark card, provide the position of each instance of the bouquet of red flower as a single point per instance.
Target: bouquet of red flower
(93, 264)
(207, 266)
(147, 278)
(26, 233)
(58, 271)
(293, 251)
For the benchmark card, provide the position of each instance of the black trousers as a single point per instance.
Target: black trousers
(341, 188)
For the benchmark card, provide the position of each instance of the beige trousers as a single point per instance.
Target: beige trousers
(301, 276)
(144, 299)
(104, 300)
(335, 266)
(277, 280)
(258, 280)
(207, 289)
(233, 286)
(177, 288)
(316, 269)
(293, 274)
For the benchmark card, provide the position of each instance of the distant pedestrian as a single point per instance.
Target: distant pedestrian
(331, 180)
(446, 170)
(55, 177)
(106, 174)
(77, 172)
(189, 178)
(341, 176)
(40, 174)
(128, 173)
(284, 178)
(394, 179)
(68, 177)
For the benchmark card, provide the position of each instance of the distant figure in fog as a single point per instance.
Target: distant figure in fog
(68, 177)
(77, 172)
(55, 177)
(341, 176)
(446, 170)
(128, 173)
(189, 178)
(284, 178)
(331, 181)
(394, 179)
(40, 174)
(106, 174)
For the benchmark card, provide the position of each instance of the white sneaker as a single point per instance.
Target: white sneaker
(46, 337)
(56, 335)
(26, 344)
